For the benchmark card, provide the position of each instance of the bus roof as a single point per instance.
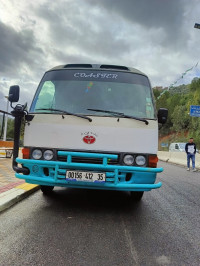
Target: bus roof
(98, 67)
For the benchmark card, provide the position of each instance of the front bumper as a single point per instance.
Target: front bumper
(53, 173)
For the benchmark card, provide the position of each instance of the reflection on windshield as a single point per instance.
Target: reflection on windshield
(77, 96)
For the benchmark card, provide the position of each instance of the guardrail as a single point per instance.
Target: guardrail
(177, 158)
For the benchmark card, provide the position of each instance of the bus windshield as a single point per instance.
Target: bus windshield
(78, 91)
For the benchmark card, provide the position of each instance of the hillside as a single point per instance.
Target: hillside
(172, 137)
(180, 125)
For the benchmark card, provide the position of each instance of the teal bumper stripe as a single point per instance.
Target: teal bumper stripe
(89, 155)
(53, 173)
(87, 185)
(89, 166)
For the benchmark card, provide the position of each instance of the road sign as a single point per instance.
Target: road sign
(195, 110)
(164, 144)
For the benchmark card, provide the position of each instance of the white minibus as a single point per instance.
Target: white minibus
(90, 126)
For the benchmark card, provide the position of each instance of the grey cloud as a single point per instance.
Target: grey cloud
(21, 61)
(17, 49)
(80, 29)
(148, 35)
(167, 15)
(27, 20)
(66, 58)
(1, 95)
(2, 99)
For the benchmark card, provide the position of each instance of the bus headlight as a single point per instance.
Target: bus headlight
(48, 155)
(140, 160)
(37, 154)
(128, 159)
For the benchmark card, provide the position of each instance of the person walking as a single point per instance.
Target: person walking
(190, 149)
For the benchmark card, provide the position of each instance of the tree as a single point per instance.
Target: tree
(156, 93)
(10, 128)
(195, 84)
(180, 118)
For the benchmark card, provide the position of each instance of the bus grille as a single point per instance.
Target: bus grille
(88, 160)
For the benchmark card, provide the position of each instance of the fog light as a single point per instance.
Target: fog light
(37, 154)
(140, 160)
(48, 155)
(128, 159)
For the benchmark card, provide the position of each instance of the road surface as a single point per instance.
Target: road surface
(86, 227)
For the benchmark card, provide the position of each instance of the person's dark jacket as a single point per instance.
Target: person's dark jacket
(189, 147)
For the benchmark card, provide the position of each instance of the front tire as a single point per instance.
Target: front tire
(47, 190)
(137, 195)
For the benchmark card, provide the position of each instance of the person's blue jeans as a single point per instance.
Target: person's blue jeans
(192, 157)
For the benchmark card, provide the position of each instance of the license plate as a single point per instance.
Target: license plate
(85, 176)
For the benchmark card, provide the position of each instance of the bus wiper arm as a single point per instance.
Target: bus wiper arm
(136, 118)
(106, 111)
(120, 114)
(65, 112)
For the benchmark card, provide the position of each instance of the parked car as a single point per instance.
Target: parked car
(177, 146)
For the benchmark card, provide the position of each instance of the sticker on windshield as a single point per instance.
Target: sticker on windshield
(97, 75)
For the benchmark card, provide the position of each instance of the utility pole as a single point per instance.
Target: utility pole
(6, 120)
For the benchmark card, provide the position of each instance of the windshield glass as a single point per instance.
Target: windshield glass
(76, 91)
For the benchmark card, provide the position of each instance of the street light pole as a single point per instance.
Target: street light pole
(6, 120)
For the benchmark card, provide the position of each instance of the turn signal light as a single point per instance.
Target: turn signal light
(26, 153)
(153, 159)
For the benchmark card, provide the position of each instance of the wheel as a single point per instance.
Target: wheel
(47, 190)
(136, 195)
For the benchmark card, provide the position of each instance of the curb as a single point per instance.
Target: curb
(14, 195)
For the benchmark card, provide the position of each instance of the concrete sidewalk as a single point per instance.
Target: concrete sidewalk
(12, 189)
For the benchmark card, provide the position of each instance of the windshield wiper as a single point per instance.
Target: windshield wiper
(65, 112)
(120, 114)
(106, 111)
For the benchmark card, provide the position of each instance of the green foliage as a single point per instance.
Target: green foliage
(195, 84)
(156, 93)
(178, 101)
(180, 119)
(10, 128)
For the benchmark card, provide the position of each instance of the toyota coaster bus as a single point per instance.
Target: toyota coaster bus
(89, 126)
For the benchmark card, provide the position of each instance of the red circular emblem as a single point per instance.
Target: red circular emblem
(89, 139)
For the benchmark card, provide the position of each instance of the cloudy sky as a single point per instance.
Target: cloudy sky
(156, 36)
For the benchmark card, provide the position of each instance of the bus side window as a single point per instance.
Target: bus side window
(176, 146)
(149, 107)
(46, 96)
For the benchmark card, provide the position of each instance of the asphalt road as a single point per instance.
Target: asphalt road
(86, 227)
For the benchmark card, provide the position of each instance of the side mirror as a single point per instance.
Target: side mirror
(162, 115)
(14, 94)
